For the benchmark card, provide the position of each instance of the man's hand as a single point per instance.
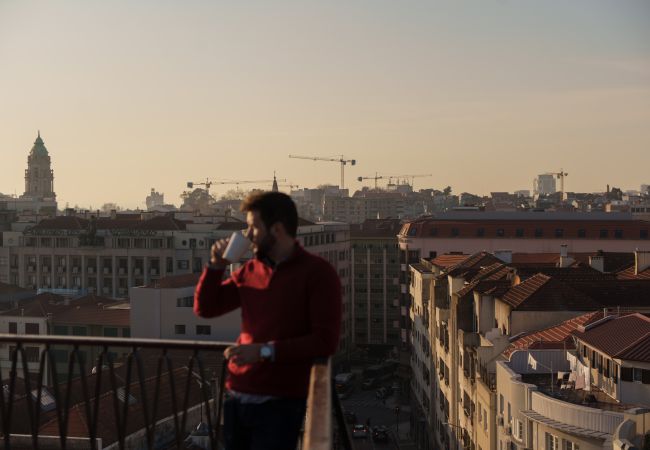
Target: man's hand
(244, 354)
(216, 251)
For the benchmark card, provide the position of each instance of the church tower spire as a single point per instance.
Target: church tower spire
(275, 183)
(39, 176)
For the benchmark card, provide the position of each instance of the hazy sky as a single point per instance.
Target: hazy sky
(131, 95)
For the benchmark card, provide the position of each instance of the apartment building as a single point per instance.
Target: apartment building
(374, 302)
(515, 232)
(104, 255)
(163, 309)
(475, 307)
(50, 314)
(364, 205)
(556, 391)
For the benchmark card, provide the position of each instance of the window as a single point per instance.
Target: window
(618, 234)
(582, 233)
(519, 232)
(79, 331)
(559, 232)
(60, 329)
(604, 234)
(203, 329)
(31, 328)
(183, 264)
(643, 234)
(455, 232)
(519, 430)
(637, 375)
(480, 232)
(179, 329)
(433, 231)
(552, 442)
(185, 302)
(501, 232)
(13, 327)
(539, 232)
(568, 445)
(110, 332)
(126, 332)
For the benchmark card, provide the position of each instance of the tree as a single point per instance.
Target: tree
(446, 191)
(108, 207)
(197, 200)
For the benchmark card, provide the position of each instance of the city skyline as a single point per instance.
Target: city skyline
(182, 93)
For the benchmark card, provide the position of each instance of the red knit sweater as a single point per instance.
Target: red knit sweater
(297, 306)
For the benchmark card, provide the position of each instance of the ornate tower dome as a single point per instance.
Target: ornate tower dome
(39, 176)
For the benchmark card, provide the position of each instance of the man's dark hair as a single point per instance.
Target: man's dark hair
(273, 207)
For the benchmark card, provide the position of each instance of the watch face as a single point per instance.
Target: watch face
(266, 351)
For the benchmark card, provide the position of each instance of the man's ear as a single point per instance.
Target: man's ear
(277, 229)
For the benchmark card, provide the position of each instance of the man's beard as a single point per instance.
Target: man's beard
(263, 249)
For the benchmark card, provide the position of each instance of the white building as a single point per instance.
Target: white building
(545, 184)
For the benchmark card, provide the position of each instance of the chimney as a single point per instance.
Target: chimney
(565, 259)
(597, 262)
(641, 261)
(504, 255)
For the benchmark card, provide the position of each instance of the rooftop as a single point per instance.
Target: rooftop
(623, 337)
(557, 336)
(593, 399)
(175, 281)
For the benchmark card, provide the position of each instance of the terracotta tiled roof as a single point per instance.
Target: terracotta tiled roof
(625, 337)
(8, 289)
(613, 293)
(376, 228)
(628, 274)
(88, 310)
(440, 228)
(448, 260)
(157, 223)
(569, 274)
(175, 281)
(543, 293)
(557, 336)
(489, 287)
(473, 264)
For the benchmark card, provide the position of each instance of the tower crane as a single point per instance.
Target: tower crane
(376, 177)
(208, 183)
(406, 177)
(341, 160)
(560, 176)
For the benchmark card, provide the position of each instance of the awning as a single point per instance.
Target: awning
(536, 417)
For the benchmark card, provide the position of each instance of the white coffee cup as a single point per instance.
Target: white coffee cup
(237, 246)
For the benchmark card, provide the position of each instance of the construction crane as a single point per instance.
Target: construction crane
(376, 177)
(341, 160)
(208, 183)
(406, 177)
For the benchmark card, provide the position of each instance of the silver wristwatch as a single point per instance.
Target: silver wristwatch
(266, 352)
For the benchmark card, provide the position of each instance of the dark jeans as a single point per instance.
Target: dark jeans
(272, 425)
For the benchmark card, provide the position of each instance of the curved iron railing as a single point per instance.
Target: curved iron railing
(147, 392)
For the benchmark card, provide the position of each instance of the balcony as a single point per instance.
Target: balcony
(92, 392)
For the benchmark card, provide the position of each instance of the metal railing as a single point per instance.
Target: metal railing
(148, 393)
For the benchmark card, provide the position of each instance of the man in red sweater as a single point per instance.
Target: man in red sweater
(290, 304)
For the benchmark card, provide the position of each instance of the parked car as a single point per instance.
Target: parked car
(360, 431)
(350, 417)
(380, 434)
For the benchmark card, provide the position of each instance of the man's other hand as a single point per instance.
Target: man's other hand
(216, 252)
(244, 354)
